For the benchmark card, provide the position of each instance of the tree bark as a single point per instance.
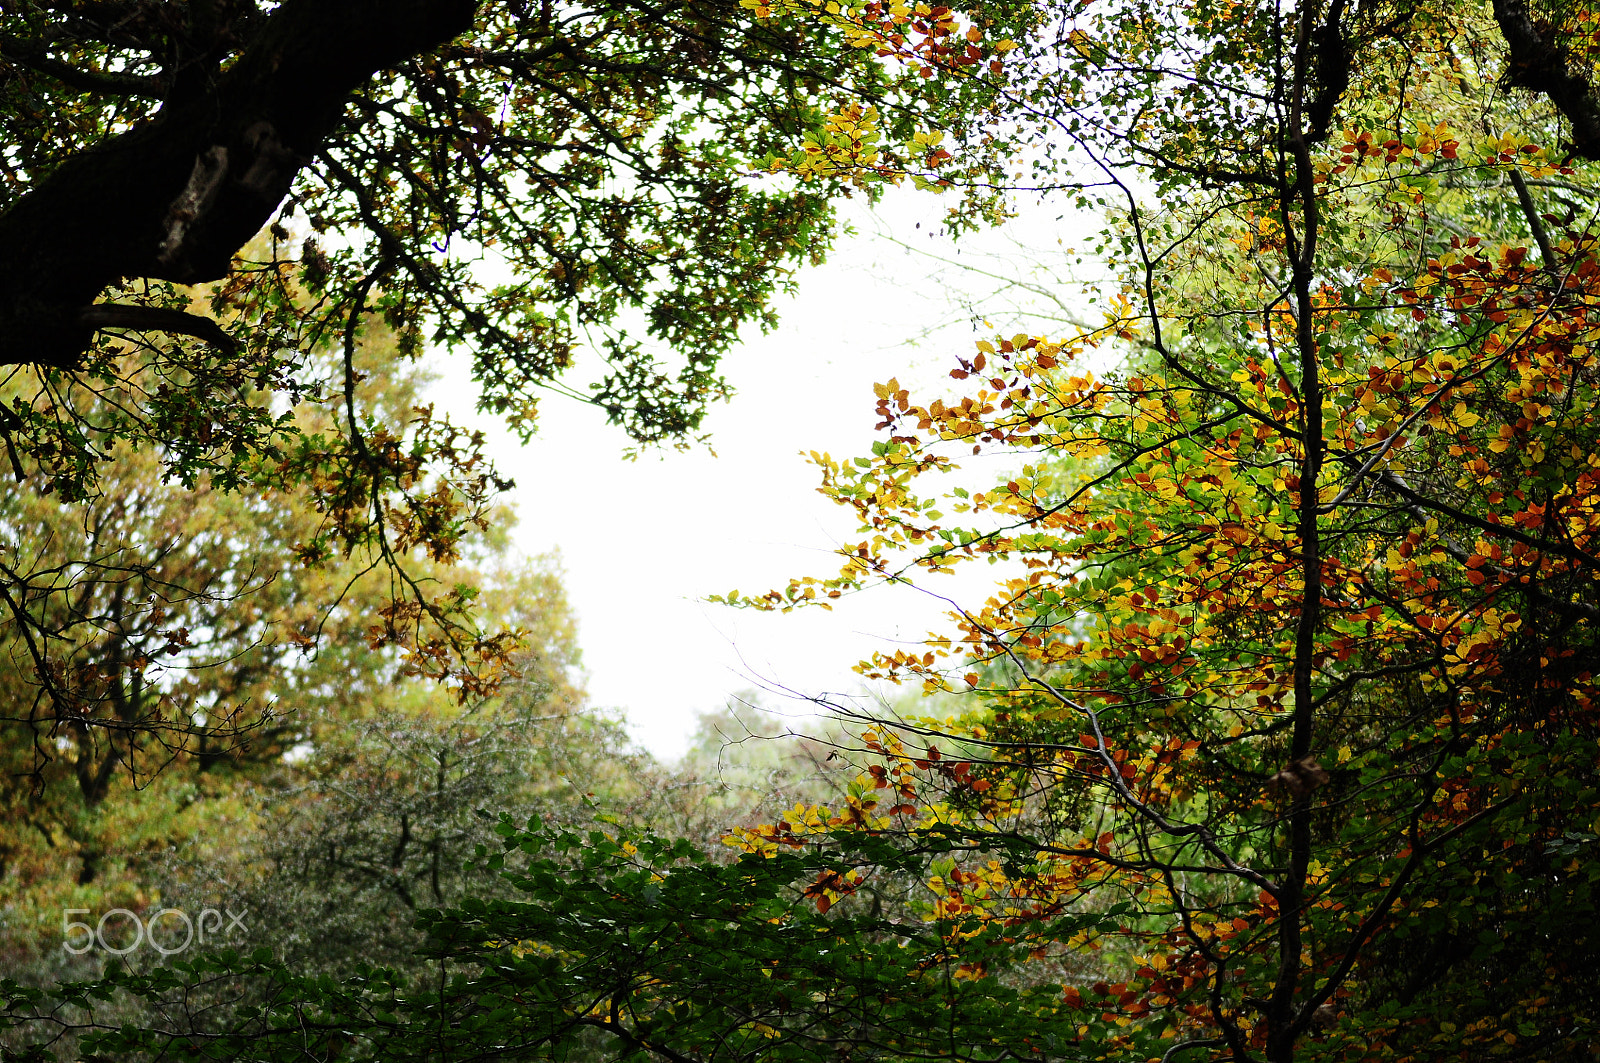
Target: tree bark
(1537, 61)
(177, 195)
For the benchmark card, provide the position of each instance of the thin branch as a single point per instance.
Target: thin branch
(1525, 199)
(33, 56)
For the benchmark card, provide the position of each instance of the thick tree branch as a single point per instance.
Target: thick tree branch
(1330, 73)
(1531, 212)
(176, 196)
(33, 56)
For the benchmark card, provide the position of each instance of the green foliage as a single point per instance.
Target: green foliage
(187, 649)
(638, 944)
(377, 813)
(581, 179)
(212, 200)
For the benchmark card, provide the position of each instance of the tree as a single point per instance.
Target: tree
(522, 181)
(744, 765)
(342, 846)
(197, 652)
(1295, 660)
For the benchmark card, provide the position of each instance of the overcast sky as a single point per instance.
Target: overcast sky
(644, 542)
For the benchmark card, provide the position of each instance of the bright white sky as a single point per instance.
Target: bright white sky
(643, 543)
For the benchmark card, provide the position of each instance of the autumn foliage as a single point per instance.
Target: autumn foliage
(1277, 736)
(1293, 660)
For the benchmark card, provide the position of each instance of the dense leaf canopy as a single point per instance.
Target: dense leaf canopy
(200, 200)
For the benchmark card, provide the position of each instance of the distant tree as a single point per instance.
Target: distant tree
(377, 815)
(745, 764)
(188, 650)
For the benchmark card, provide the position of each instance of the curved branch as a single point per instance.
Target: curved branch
(157, 319)
(125, 207)
(34, 56)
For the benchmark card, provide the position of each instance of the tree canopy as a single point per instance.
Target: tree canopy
(1276, 738)
(198, 198)
(1295, 655)
(218, 685)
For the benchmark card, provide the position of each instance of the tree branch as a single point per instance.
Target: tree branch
(1536, 61)
(33, 56)
(127, 206)
(157, 319)
(1525, 201)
